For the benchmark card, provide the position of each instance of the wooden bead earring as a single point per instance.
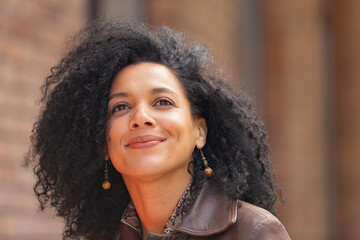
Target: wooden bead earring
(106, 184)
(208, 171)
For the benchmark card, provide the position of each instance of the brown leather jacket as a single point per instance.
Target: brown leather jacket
(215, 216)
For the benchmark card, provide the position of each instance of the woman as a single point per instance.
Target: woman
(140, 139)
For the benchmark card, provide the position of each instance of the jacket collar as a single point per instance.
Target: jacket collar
(212, 213)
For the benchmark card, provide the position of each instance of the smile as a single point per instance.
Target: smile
(145, 141)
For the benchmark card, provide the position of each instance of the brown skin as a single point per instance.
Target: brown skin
(152, 134)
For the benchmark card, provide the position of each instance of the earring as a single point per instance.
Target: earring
(208, 171)
(106, 184)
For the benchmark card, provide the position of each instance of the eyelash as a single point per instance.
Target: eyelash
(164, 99)
(114, 109)
(168, 103)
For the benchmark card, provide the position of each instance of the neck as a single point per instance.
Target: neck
(155, 200)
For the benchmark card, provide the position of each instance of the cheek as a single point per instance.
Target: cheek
(114, 135)
(115, 131)
(178, 126)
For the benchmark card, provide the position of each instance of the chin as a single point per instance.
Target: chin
(145, 176)
(143, 167)
(155, 171)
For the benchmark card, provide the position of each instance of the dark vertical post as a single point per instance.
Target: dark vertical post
(252, 49)
(347, 58)
(94, 9)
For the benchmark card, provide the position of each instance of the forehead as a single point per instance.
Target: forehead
(145, 76)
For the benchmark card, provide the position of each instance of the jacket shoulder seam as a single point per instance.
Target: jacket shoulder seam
(261, 222)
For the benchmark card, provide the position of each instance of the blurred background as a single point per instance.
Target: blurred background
(299, 60)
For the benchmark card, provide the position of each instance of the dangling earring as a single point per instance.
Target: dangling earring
(106, 184)
(208, 171)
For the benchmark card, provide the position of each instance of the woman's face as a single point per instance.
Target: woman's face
(151, 131)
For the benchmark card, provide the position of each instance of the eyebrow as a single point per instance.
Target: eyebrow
(153, 91)
(120, 94)
(164, 90)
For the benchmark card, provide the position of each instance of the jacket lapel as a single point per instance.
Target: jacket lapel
(212, 213)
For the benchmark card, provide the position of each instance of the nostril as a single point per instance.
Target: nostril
(142, 124)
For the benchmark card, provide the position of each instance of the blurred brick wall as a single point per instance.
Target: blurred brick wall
(312, 99)
(295, 104)
(32, 34)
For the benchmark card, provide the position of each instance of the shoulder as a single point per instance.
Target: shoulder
(257, 223)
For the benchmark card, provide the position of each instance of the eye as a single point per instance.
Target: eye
(120, 107)
(164, 102)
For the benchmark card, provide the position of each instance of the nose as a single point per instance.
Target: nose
(142, 117)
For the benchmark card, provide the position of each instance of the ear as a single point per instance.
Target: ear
(201, 133)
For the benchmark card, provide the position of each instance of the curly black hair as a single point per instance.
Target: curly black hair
(69, 137)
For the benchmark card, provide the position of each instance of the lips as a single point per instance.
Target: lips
(144, 141)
